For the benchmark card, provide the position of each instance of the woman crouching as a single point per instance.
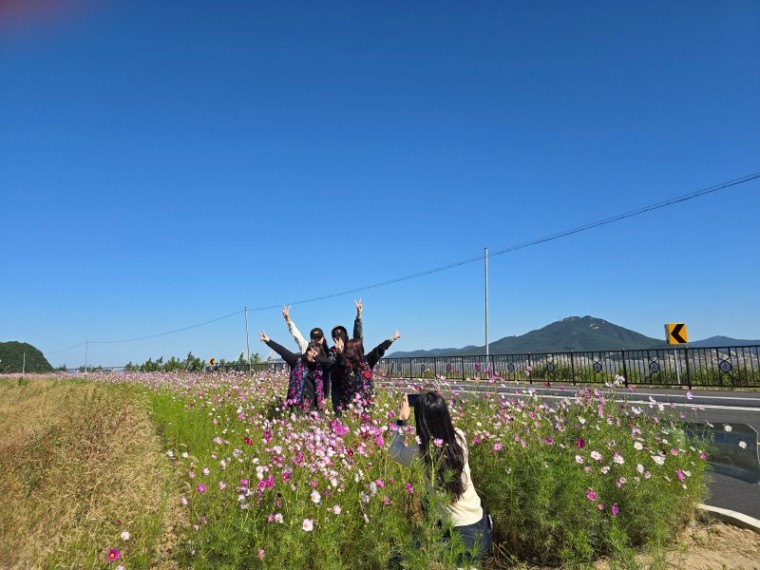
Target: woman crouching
(443, 449)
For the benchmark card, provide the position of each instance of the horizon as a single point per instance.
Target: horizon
(164, 168)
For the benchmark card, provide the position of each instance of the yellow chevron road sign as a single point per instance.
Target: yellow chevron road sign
(675, 333)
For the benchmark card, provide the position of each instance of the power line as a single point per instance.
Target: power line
(69, 348)
(166, 333)
(510, 249)
(579, 229)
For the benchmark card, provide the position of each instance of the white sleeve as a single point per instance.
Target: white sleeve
(298, 337)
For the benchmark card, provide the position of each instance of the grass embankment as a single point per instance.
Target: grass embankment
(80, 464)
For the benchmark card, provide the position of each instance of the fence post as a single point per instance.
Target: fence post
(530, 366)
(625, 369)
(688, 375)
(572, 367)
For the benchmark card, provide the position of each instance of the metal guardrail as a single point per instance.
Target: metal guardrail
(735, 449)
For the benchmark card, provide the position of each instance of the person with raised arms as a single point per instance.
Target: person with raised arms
(308, 372)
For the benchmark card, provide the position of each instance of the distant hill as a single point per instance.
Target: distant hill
(721, 341)
(15, 355)
(570, 334)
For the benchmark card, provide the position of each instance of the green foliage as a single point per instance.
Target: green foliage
(22, 357)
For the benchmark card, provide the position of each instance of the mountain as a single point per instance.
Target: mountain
(722, 341)
(17, 355)
(581, 334)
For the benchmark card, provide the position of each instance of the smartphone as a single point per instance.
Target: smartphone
(412, 398)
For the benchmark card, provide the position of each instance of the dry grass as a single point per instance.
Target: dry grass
(79, 464)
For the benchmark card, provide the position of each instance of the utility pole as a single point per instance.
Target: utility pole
(247, 344)
(485, 259)
(86, 348)
(23, 363)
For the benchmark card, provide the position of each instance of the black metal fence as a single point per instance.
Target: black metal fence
(728, 367)
(720, 367)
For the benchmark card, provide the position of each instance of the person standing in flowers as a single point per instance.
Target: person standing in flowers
(308, 372)
(354, 369)
(334, 381)
(443, 450)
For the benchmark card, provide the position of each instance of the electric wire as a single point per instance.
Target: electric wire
(566, 233)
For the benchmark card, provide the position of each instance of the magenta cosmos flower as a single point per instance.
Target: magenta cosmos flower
(113, 555)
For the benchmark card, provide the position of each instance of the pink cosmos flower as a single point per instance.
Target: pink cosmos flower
(591, 494)
(409, 488)
(379, 441)
(615, 509)
(201, 488)
(438, 442)
(681, 476)
(262, 553)
(498, 446)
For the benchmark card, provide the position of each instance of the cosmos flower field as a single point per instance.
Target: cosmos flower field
(254, 486)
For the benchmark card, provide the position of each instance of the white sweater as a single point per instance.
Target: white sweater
(467, 510)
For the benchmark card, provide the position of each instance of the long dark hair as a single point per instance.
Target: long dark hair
(354, 354)
(433, 421)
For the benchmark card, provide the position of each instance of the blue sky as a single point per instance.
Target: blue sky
(163, 165)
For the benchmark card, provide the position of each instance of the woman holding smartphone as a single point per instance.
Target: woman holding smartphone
(443, 450)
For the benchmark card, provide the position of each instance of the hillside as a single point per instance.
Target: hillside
(723, 341)
(570, 334)
(17, 355)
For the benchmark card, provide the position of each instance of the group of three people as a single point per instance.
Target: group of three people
(341, 374)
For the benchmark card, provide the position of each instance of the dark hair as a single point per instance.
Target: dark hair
(433, 421)
(317, 345)
(354, 353)
(339, 331)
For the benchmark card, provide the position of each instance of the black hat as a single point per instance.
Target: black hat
(316, 333)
